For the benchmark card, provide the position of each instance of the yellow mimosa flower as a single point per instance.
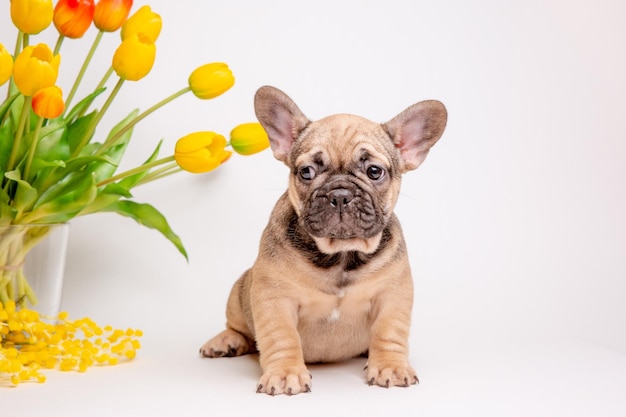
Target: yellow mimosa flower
(210, 80)
(201, 152)
(135, 57)
(31, 16)
(35, 68)
(111, 14)
(48, 102)
(6, 65)
(249, 138)
(143, 21)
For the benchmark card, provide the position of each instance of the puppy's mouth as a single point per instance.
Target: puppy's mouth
(343, 214)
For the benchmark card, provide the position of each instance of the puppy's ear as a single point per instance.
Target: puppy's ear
(282, 119)
(415, 131)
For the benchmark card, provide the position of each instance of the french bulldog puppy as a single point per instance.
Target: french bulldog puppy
(332, 279)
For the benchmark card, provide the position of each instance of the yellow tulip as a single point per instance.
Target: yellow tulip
(134, 58)
(35, 68)
(6, 65)
(109, 15)
(210, 80)
(249, 138)
(201, 152)
(48, 102)
(31, 16)
(143, 21)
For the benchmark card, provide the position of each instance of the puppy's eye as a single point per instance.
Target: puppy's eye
(374, 172)
(307, 173)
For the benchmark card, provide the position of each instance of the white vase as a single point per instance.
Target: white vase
(32, 266)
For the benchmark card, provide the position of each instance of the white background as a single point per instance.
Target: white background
(515, 222)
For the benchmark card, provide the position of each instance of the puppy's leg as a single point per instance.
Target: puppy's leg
(388, 363)
(280, 349)
(237, 339)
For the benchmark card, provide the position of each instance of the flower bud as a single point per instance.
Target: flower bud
(143, 21)
(72, 18)
(134, 58)
(35, 68)
(48, 102)
(201, 152)
(249, 138)
(109, 15)
(210, 80)
(31, 16)
(6, 65)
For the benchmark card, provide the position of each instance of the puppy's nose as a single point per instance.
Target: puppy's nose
(339, 198)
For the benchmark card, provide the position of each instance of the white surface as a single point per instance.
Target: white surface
(515, 222)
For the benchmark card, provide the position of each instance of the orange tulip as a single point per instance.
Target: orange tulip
(110, 15)
(48, 102)
(73, 17)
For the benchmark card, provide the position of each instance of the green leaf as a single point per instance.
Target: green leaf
(53, 175)
(131, 181)
(106, 196)
(16, 109)
(25, 195)
(82, 105)
(53, 142)
(77, 129)
(114, 154)
(6, 105)
(147, 215)
(64, 200)
(7, 213)
(6, 144)
(117, 189)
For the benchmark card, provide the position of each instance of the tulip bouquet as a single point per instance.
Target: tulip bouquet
(56, 164)
(55, 161)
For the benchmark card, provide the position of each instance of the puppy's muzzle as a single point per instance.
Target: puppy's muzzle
(343, 210)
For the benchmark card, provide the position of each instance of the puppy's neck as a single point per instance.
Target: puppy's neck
(347, 260)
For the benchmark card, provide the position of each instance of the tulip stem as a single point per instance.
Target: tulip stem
(105, 78)
(18, 134)
(100, 85)
(96, 120)
(57, 47)
(111, 141)
(33, 148)
(136, 170)
(18, 45)
(160, 173)
(81, 73)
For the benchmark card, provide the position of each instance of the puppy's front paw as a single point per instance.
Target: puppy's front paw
(391, 375)
(285, 381)
(227, 343)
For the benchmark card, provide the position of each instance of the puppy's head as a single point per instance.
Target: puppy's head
(346, 170)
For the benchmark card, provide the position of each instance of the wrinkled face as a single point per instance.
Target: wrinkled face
(344, 182)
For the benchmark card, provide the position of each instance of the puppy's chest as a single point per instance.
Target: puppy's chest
(336, 305)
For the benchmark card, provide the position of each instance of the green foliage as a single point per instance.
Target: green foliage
(70, 174)
(148, 216)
